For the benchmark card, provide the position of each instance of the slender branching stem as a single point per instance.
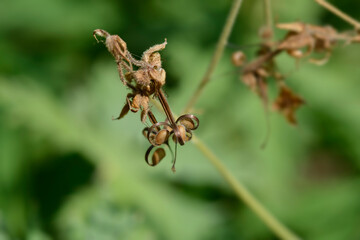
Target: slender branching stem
(243, 193)
(218, 53)
(169, 115)
(339, 13)
(268, 14)
(252, 66)
(166, 107)
(152, 117)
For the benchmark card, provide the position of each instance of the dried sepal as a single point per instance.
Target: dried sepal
(287, 103)
(152, 50)
(123, 112)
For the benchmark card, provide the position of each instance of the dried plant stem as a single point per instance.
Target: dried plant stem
(339, 13)
(241, 191)
(218, 53)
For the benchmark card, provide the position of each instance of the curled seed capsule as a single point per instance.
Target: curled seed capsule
(145, 132)
(238, 58)
(161, 137)
(182, 131)
(190, 122)
(158, 155)
(153, 133)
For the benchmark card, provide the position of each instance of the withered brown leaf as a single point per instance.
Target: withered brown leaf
(287, 103)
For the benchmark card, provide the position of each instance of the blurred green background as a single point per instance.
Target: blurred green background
(68, 172)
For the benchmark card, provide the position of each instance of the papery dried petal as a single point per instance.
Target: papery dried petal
(287, 103)
(150, 51)
(123, 112)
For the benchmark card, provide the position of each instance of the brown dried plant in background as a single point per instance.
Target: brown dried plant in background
(300, 41)
(145, 79)
(321, 39)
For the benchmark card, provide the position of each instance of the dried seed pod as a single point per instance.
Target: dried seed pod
(238, 58)
(158, 136)
(185, 134)
(145, 132)
(189, 121)
(156, 157)
(161, 137)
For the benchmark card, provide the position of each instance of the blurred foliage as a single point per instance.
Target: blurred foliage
(68, 172)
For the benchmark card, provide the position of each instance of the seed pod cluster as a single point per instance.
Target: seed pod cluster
(145, 79)
(160, 133)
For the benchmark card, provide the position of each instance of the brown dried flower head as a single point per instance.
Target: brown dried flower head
(145, 79)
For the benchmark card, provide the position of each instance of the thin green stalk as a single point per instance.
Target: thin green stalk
(339, 13)
(217, 54)
(242, 192)
(268, 14)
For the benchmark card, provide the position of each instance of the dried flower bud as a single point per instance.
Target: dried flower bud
(238, 58)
